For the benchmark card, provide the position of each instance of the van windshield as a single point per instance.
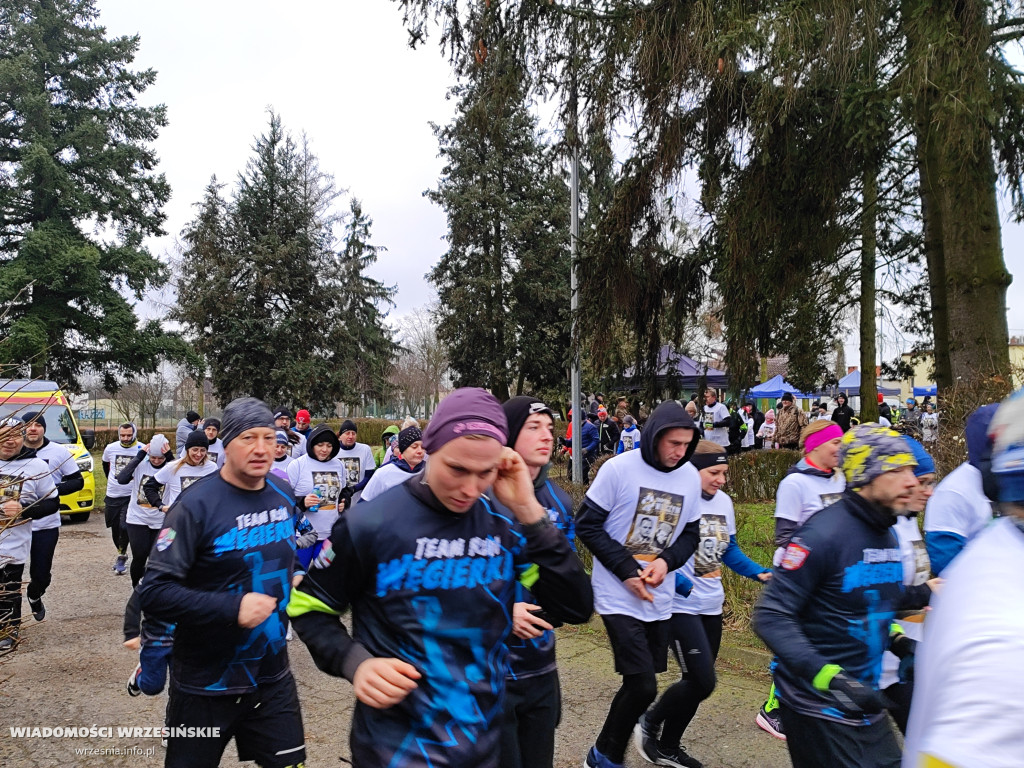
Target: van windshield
(60, 427)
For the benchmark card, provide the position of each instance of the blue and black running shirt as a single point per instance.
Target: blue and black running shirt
(218, 543)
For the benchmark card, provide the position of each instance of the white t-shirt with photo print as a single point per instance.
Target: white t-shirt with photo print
(704, 568)
(647, 510)
(140, 511)
(800, 495)
(326, 478)
(357, 461)
(24, 481)
(176, 479)
(118, 457)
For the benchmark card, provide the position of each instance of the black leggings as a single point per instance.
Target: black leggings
(40, 569)
(631, 701)
(141, 538)
(695, 643)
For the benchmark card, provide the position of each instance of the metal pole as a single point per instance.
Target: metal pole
(574, 236)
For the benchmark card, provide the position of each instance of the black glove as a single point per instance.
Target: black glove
(855, 697)
(904, 649)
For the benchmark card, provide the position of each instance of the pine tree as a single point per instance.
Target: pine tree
(263, 292)
(503, 284)
(363, 300)
(78, 194)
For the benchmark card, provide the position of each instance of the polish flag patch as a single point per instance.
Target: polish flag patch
(794, 557)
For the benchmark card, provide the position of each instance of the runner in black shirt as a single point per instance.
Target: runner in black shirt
(222, 569)
(428, 569)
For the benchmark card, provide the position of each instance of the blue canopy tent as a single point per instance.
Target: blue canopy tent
(929, 389)
(676, 370)
(849, 385)
(775, 388)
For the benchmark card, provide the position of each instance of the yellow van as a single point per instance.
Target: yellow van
(18, 396)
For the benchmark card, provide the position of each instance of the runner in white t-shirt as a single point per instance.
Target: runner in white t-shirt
(163, 489)
(318, 480)
(959, 509)
(117, 456)
(696, 624)
(969, 679)
(640, 520)
(409, 462)
(811, 484)
(357, 457)
(215, 451)
(144, 520)
(715, 419)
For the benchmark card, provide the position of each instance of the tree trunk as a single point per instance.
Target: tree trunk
(931, 214)
(868, 264)
(948, 44)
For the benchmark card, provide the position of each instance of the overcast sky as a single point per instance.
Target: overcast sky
(342, 72)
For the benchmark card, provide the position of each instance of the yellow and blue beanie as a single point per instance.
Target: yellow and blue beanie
(869, 450)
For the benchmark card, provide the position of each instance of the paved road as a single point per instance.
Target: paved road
(71, 668)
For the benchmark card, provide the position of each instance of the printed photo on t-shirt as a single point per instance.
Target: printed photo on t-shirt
(327, 485)
(187, 481)
(714, 540)
(212, 456)
(140, 497)
(120, 462)
(627, 442)
(922, 565)
(657, 514)
(828, 499)
(352, 466)
(10, 488)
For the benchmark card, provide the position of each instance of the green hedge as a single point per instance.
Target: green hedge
(755, 475)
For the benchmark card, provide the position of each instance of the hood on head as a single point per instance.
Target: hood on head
(320, 434)
(979, 446)
(385, 436)
(668, 415)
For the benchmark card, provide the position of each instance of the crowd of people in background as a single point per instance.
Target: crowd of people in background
(456, 555)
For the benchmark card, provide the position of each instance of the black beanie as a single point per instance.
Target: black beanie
(518, 410)
(192, 416)
(244, 413)
(35, 416)
(347, 426)
(196, 439)
(407, 437)
(212, 423)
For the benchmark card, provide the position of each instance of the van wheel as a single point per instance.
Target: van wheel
(79, 517)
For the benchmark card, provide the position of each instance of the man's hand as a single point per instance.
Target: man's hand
(513, 487)
(764, 577)
(382, 683)
(654, 573)
(524, 624)
(254, 609)
(638, 587)
(11, 508)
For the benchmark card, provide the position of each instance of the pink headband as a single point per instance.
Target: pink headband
(831, 432)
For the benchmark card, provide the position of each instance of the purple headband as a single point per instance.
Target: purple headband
(466, 411)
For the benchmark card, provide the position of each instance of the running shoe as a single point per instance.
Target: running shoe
(7, 645)
(770, 722)
(678, 758)
(133, 686)
(596, 760)
(644, 741)
(37, 608)
(120, 565)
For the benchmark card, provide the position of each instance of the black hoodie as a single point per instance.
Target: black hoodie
(591, 518)
(319, 434)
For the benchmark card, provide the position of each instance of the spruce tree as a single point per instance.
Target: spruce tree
(262, 290)
(78, 195)
(503, 284)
